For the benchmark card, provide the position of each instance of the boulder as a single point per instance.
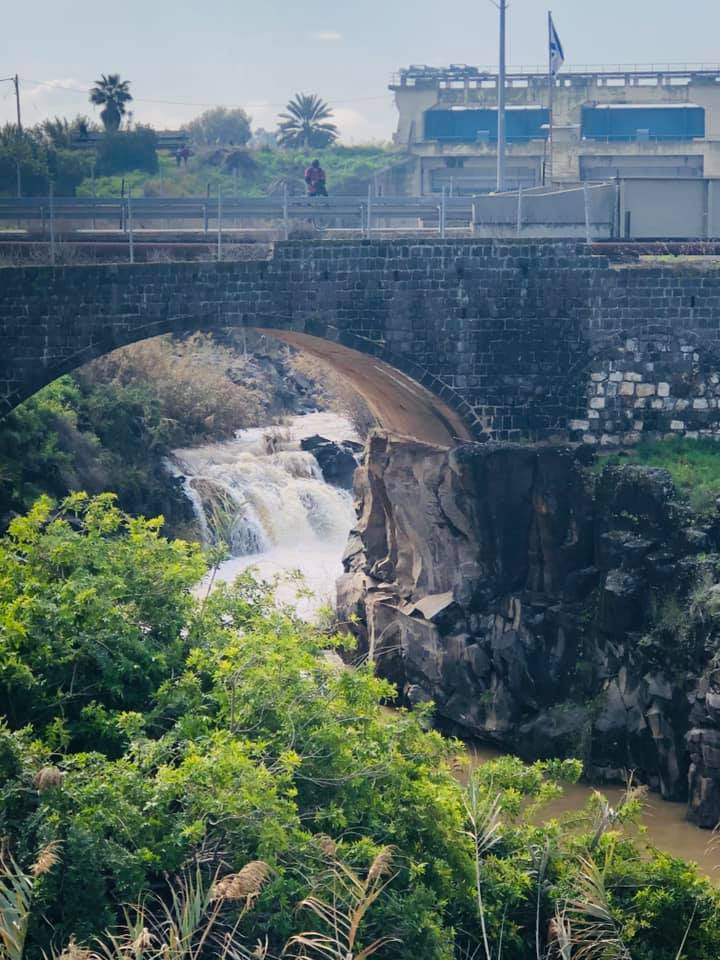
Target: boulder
(338, 461)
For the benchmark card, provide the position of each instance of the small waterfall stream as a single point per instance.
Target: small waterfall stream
(266, 497)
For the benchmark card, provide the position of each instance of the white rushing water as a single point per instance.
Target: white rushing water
(266, 497)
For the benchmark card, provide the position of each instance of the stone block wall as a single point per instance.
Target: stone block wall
(657, 376)
(522, 339)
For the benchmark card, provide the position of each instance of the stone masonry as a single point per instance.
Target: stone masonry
(523, 339)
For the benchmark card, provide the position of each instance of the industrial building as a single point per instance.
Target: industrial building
(622, 122)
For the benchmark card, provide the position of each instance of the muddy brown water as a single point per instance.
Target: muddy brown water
(666, 826)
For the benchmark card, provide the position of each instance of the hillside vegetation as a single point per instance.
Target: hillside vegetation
(259, 172)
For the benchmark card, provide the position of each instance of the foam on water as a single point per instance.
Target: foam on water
(270, 501)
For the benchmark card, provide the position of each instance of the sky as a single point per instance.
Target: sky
(183, 56)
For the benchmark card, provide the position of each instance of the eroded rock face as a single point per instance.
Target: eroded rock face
(532, 602)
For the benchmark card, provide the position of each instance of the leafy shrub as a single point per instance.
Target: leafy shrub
(122, 151)
(92, 604)
(238, 740)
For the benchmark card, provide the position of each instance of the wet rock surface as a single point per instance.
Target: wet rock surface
(544, 608)
(338, 461)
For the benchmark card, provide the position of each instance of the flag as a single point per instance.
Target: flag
(557, 54)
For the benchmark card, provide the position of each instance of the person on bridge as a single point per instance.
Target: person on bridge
(315, 180)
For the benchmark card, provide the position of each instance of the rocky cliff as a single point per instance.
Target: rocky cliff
(544, 607)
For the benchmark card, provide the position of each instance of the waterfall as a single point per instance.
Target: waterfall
(266, 498)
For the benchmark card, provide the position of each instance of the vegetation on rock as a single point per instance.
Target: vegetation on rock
(694, 466)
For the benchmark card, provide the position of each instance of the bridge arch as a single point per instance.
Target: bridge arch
(82, 313)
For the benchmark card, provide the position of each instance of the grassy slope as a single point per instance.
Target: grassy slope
(694, 466)
(343, 166)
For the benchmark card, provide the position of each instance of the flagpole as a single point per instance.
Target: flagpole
(551, 99)
(502, 6)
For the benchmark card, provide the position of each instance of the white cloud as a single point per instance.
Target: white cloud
(356, 127)
(326, 36)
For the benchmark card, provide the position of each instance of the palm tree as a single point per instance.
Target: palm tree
(111, 93)
(306, 123)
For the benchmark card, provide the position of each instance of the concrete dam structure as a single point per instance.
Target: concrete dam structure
(447, 340)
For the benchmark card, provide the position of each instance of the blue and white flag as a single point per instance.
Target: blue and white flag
(557, 54)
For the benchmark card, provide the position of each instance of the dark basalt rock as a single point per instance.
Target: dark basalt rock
(525, 596)
(338, 461)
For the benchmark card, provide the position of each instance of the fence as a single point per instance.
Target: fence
(644, 208)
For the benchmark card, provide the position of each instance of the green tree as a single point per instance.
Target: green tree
(307, 123)
(112, 94)
(220, 125)
(92, 605)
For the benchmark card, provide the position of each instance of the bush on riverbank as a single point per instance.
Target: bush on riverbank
(150, 732)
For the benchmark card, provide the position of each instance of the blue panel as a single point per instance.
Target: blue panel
(465, 126)
(662, 123)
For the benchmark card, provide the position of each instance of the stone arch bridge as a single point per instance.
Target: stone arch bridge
(447, 340)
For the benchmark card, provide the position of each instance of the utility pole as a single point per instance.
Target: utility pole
(502, 7)
(16, 82)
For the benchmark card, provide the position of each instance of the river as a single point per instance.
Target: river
(269, 500)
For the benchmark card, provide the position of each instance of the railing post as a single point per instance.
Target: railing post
(519, 210)
(586, 201)
(473, 217)
(369, 212)
(131, 239)
(286, 225)
(219, 224)
(52, 223)
(442, 213)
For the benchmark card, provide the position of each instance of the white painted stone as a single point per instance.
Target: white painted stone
(640, 403)
(593, 415)
(630, 439)
(631, 345)
(632, 376)
(677, 425)
(663, 389)
(714, 379)
(700, 403)
(681, 404)
(598, 377)
(616, 376)
(638, 425)
(590, 438)
(579, 424)
(607, 440)
(656, 404)
(597, 403)
(626, 390)
(646, 390)
(692, 435)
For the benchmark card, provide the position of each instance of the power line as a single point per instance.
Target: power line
(199, 103)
